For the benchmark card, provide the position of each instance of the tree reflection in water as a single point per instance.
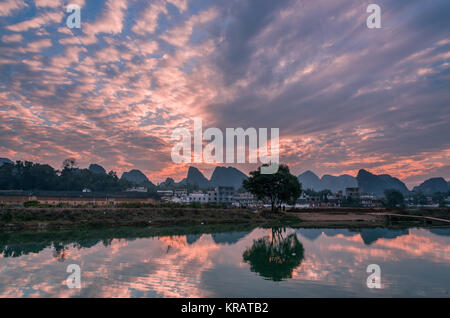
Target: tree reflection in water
(275, 257)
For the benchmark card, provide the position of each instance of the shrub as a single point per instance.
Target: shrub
(7, 217)
(31, 204)
(195, 205)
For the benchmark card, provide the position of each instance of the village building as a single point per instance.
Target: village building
(74, 198)
(352, 193)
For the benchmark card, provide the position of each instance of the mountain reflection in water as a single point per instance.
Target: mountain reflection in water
(226, 262)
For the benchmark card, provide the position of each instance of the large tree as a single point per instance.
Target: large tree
(275, 257)
(394, 199)
(276, 189)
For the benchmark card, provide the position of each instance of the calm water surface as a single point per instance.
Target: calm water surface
(248, 263)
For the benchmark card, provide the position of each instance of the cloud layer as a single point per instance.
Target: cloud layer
(344, 96)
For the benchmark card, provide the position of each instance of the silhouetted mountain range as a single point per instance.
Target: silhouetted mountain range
(377, 184)
(222, 176)
(229, 176)
(5, 160)
(195, 177)
(369, 183)
(433, 185)
(137, 177)
(168, 183)
(97, 169)
(310, 180)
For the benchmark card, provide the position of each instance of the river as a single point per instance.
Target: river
(240, 262)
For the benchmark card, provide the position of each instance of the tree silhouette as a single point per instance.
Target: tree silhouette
(394, 198)
(70, 163)
(277, 188)
(275, 257)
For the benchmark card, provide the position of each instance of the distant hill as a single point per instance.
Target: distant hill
(342, 182)
(97, 169)
(168, 183)
(310, 180)
(229, 177)
(5, 160)
(222, 176)
(228, 238)
(195, 177)
(138, 178)
(377, 184)
(370, 236)
(433, 185)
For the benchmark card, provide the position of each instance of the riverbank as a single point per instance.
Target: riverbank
(39, 219)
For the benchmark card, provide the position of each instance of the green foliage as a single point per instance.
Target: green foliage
(439, 198)
(418, 198)
(281, 187)
(394, 199)
(31, 204)
(6, 217)
(30, 176)
(323, 195)
(275, 258)
(130, 205)
(195, 205)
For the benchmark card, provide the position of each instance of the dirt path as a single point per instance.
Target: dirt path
(414, 216)
(340, 219)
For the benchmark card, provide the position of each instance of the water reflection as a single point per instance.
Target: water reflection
(226, 262)
(275, 257)
(368, 236)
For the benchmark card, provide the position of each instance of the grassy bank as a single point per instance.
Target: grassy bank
(65, 218)
(14, 219)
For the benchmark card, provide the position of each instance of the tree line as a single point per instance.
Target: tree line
(34, 176)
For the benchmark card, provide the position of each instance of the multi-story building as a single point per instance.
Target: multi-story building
(198, 197)
(303, 199)
(224, 195)
(180, 193)
(165, 193)
(244, 200)
(212, 197)
(352, 193)
(314, 201)
(369, 200)
(333, 200)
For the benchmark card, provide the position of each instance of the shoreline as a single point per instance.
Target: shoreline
(43, 219)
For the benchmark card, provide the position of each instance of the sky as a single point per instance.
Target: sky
(345, 97)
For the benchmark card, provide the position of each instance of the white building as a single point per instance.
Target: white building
(369, 200)
(165, 193)
(244, 200)
(137, 189)
(199, 197)
(180, 193)
(224, 195)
